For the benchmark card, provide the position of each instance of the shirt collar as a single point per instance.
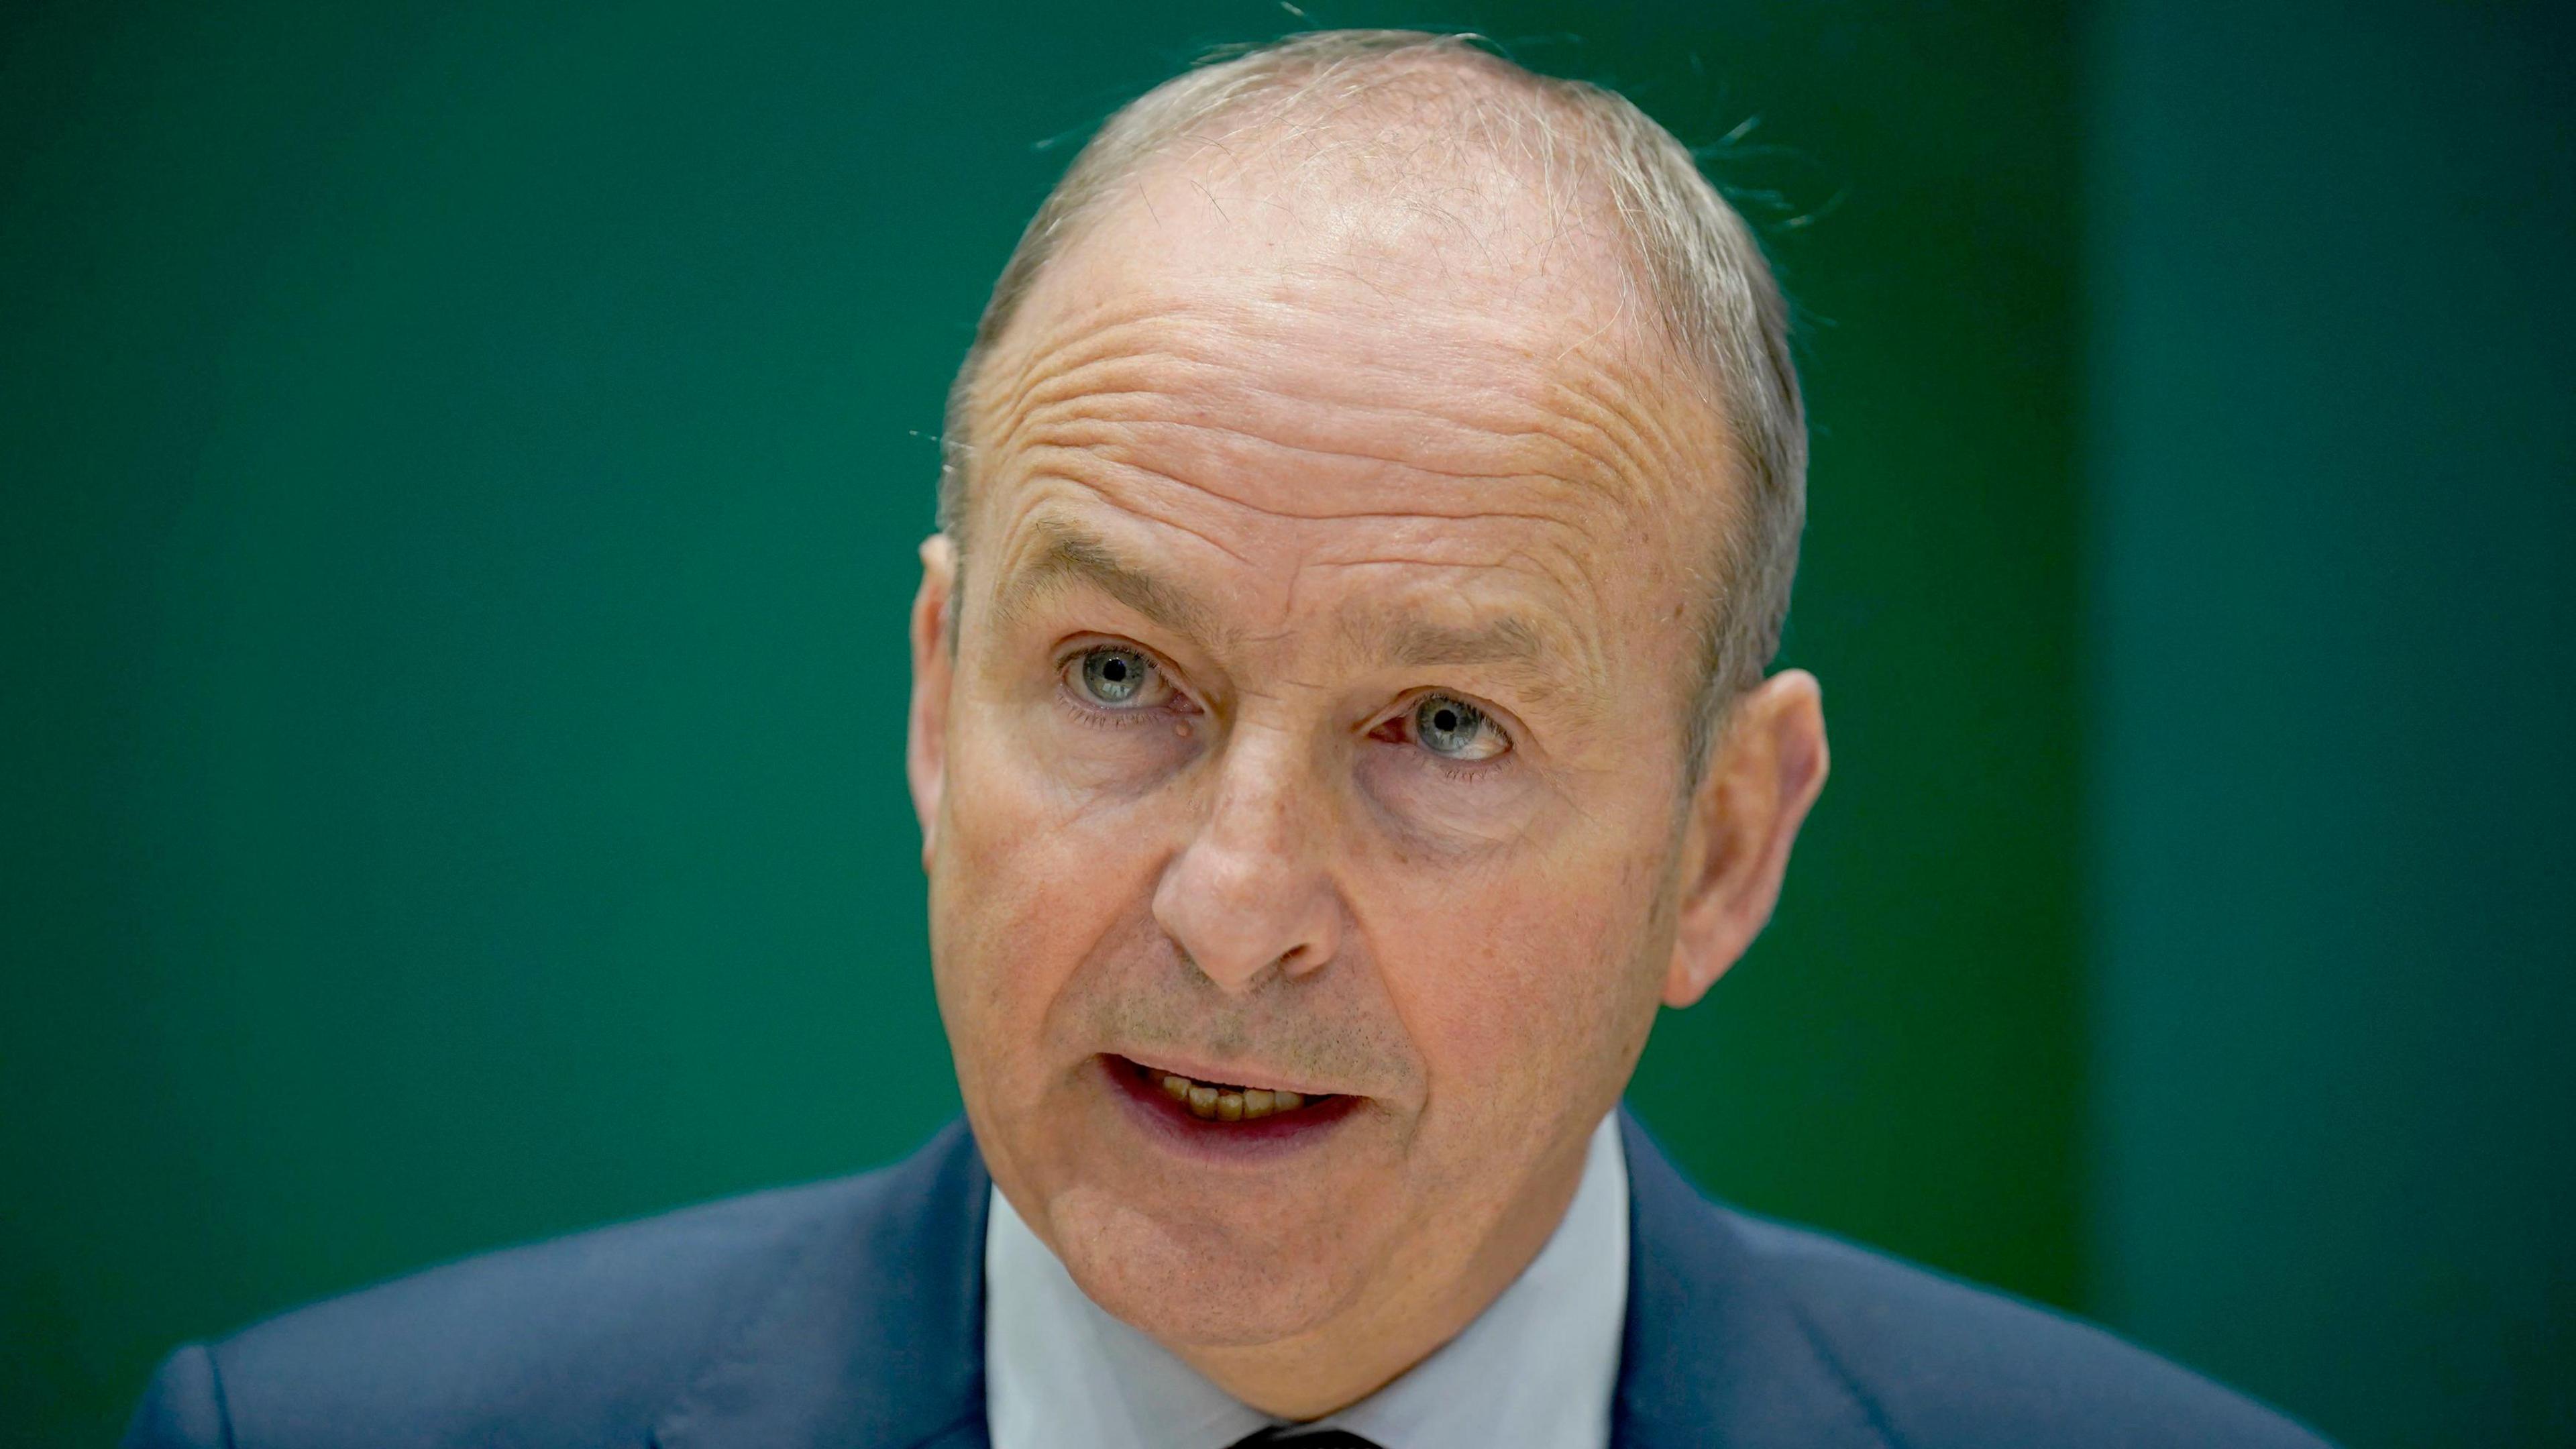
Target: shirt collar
(1539, 1365)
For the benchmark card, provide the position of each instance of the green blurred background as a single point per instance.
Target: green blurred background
(459, 468)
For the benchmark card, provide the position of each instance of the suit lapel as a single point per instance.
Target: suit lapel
(1714, 1353)
(875, 1336)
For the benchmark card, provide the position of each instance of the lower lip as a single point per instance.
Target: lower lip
(1168, 1121)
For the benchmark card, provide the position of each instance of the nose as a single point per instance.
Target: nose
(1249, 890)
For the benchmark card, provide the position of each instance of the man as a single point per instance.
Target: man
(1338, 727)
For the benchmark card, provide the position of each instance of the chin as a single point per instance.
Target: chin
(1189, 1281)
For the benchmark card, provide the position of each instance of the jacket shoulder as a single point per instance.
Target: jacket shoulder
(577, 1340)
(1940, 1363)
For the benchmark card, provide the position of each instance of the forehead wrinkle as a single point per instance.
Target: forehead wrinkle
(1487, 377)
(1056, 446)
(1114, 376)
(1085, 469)
(1627, 408)
(1122, 427)
(1113, 389)
(1614, 402)
(1002, 410)
(1114, 419)
(1070, 464)
(1062, 553)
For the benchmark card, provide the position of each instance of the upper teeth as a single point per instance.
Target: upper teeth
(1222, 1103)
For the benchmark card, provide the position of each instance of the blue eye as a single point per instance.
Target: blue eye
(1112, 677)
(1456, 730)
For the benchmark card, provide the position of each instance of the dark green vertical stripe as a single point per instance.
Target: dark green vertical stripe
(2332, 554)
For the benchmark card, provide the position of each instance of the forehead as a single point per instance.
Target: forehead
(1415, 237)
(1468, 299)
(1309, 364)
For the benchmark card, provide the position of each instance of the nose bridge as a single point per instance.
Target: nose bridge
(1249, 889)
(1260, 789)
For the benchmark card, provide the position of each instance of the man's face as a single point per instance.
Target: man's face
(1315, 727)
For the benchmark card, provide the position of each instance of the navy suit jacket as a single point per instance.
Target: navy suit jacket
(850, 1313)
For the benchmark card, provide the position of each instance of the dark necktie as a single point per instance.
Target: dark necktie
(1297, 1436)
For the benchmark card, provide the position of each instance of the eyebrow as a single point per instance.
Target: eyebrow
(1421, 644)
(1532, 656)
(1068, 554)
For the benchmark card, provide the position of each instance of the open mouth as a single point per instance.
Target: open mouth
(1224, 1102)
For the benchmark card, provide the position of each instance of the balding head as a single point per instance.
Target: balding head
(1429, 158)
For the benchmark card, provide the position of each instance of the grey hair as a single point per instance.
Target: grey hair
(1703, 272)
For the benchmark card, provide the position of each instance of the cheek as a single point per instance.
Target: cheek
(1031, 873)
(1095, 763)
(1441, 810)
(1529, 983)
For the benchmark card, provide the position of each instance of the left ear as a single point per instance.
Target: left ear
(1763, 772)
